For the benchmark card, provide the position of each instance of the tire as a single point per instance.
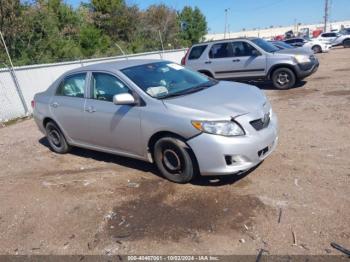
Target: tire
(283, 78)
(173, 159)
(57, 141)
(317, 49)
(346, 43)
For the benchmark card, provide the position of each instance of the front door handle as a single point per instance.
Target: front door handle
(90, 109)
(207, 62)
(55, 104)
(236, 60)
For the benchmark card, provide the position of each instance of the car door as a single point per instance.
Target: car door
(67, 107)
(250, 62)
(220, 60)
(115, 127)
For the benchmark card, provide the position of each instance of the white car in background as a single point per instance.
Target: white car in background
(318, 46)
(328, 37)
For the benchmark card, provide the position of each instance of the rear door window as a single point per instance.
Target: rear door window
(196, 52)
(221, 50)
(72, 85)
(242, 49)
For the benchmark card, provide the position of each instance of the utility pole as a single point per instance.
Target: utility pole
(14, 77)
(226, 10)
(325, 15)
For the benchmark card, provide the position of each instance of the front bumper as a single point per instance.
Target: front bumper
(211, 151)
(307, 69)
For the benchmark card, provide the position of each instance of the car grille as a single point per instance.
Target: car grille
(261, 123)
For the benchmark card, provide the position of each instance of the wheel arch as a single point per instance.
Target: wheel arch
(206, 72)
(160, 134)
(49, 119)
(346, 39)
(317, 45)
(275, 67)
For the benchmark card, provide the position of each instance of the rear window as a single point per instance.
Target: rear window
(196, 52)
(329, 35)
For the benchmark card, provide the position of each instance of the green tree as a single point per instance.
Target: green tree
(92, 41)
(44, 31)
(10, 25)
(160, 19)
(193, 25)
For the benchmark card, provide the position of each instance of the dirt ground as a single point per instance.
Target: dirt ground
(87, 202)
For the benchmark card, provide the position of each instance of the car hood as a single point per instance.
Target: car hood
(219, 102)
(295, 51)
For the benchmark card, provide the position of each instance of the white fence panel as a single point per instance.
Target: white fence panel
(37, 78)
(10, 103)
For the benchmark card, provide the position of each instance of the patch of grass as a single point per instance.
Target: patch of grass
(14, 121)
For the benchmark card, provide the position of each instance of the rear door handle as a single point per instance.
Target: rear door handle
(236, 60)
(207, 62)
(55, 104)
(90, 109)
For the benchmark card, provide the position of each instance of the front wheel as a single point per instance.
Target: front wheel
(173, 159)
(316, 49)
(283, 78)
(56, 139)
(346, 43)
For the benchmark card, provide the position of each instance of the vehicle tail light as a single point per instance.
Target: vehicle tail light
(33, 104)
(183, 60)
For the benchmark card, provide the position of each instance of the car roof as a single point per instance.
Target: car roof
(225, 40)
(116, 65)
(294, 38)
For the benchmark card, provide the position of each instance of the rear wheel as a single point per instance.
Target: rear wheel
(317, 49)
(346, 43)
(56, 139)
(283, 78)
(173, 159)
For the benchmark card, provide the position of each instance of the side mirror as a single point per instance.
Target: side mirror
(255, 52)
(124, 99)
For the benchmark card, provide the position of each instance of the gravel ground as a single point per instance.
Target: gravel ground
(87, 202)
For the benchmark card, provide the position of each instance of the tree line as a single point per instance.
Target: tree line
(45, 31)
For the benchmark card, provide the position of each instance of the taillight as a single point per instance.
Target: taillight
(183, 60)
(33, 104)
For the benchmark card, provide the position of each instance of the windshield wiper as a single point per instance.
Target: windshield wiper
(192, 89)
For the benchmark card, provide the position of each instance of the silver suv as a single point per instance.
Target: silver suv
(250, 58)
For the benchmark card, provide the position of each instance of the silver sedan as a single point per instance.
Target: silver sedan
(161, 112)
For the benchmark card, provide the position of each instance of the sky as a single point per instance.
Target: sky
(251, 14)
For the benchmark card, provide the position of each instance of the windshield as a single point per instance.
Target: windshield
(166, 79)
(345, 31)
(284, 45)
(266, 46)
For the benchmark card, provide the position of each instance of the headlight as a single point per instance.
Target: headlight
(302, 59)
(223, 128)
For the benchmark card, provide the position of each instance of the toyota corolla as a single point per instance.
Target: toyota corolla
(158, 111)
